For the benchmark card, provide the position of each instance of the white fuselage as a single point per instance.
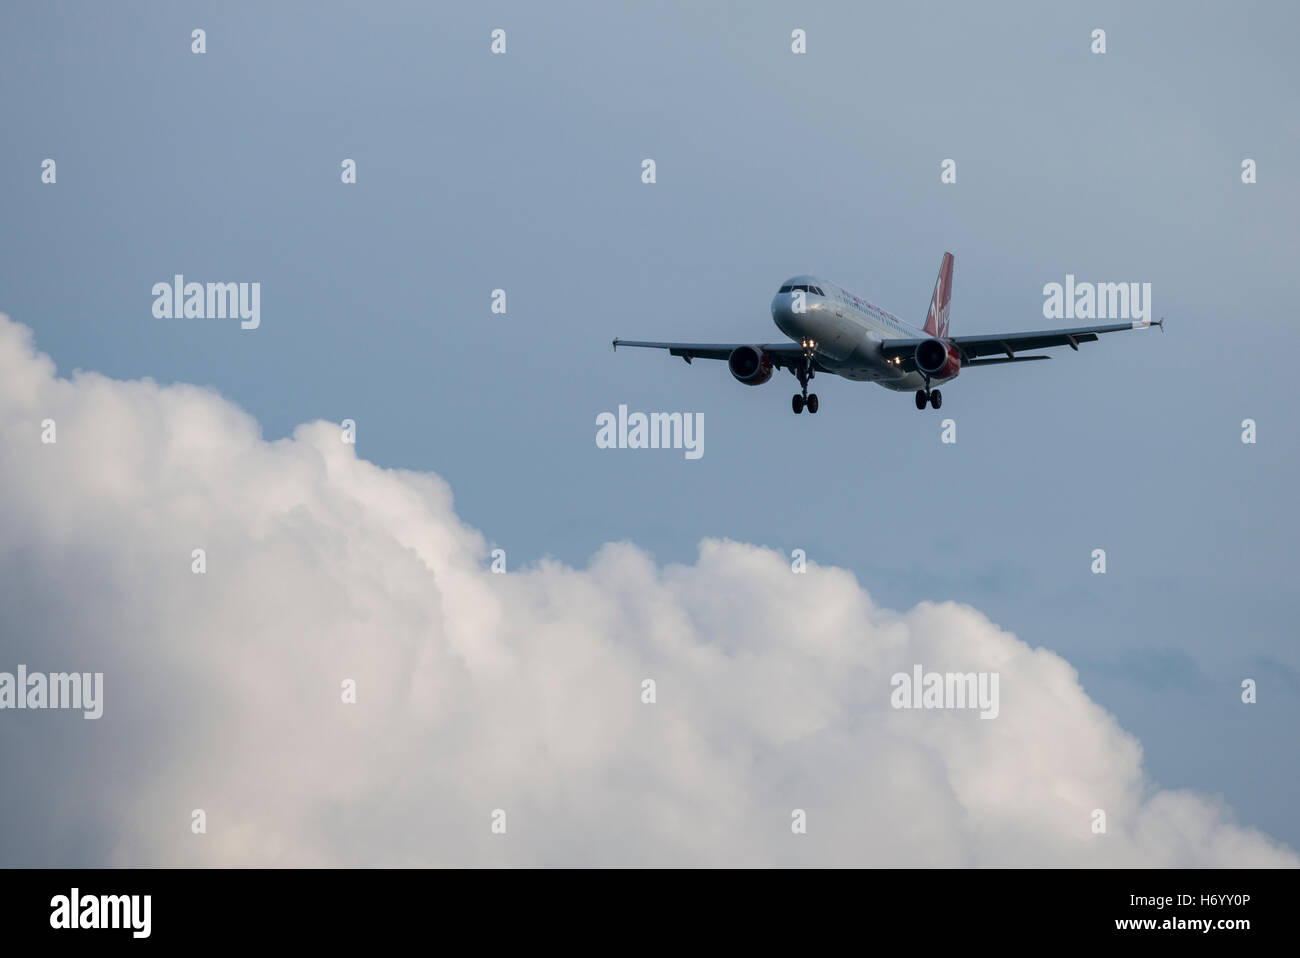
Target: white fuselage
(847, 331)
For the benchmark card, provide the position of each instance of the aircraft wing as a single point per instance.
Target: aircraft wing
(1005, 346)
(788, 355)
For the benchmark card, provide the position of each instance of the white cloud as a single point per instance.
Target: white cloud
(480, 691)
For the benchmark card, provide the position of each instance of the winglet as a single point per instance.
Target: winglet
(1161, 323)
(616, 344)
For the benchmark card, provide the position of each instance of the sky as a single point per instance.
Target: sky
(522, 172)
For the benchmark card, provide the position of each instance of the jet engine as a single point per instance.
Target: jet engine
(750, 365)
(936, 358)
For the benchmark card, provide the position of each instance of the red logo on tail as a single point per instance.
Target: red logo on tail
(936, 323)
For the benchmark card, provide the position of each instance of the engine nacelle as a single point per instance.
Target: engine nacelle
(750, 365)
(936, 358)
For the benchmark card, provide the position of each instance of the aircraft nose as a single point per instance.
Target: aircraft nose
(783, 314)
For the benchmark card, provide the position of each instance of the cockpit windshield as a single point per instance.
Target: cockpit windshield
(801, 288)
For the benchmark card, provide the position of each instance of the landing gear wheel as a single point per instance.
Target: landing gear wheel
(936, 398)
(803, 374)
(921, 397)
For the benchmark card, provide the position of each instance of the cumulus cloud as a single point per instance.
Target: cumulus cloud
(477, 691)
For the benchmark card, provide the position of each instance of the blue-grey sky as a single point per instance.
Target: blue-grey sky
(522, 172)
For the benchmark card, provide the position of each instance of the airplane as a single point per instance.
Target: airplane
(837, 333)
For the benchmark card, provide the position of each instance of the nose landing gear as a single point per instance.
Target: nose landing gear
(798, 402)
(801, 399)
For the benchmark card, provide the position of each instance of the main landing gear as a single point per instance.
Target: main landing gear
(934, 397)
(801, 399)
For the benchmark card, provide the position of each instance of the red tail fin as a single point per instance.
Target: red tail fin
(936, 323)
